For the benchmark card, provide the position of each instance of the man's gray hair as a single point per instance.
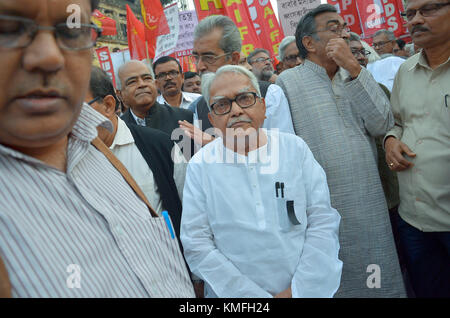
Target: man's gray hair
(256, 51)
(390, 35)
(283, 45)
(209, 78)
(354, 37)
(231, 37)
(119, 82)
(307, 27)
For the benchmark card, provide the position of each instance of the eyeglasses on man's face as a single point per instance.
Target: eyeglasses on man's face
(207, 58)
(18, 32)
(244, 100)
(427, 10)
(262, 60)
(292, 58)
(336, 28)
(380, 44)
(362, 52)
(164, 75)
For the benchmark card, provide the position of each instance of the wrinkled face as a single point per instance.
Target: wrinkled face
(169, 79)
(329, 25)
(358, 52)
(262, 65)
(382, 44)
(208, 45)
(193, 85)
(241, 121)
(291, 57)
(42, 86)
(138, 86)
(431, 31)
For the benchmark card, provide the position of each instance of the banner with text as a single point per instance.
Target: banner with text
(106, 63)
(187, 22)
(291, 11)
(266, 25)
(348, 10)
(166, 44)
(206, 8)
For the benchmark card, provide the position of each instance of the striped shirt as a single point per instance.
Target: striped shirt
(83, 233)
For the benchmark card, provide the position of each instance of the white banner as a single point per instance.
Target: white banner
(166, 44)
(291, 11)
(188, 21)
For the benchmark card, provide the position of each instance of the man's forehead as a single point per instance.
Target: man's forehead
(209, 43)
(261, 54)
(167, 65)
(51, 9)
(355, 44)
(415, 4)
(217, 87)
(382, 37)
(329, 17)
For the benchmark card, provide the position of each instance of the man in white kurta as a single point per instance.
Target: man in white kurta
(243, 235)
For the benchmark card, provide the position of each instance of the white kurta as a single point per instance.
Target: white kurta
(231, 226)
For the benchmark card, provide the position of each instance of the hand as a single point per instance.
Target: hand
(394, 154)
(273, 78)
(284, 294)
(199, 137)
(338, 50)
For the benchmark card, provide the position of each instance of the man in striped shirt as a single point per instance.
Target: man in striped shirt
(70, 226)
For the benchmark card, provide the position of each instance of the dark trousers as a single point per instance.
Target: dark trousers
(427, 259)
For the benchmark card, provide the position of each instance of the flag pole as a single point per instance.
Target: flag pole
(146, 53)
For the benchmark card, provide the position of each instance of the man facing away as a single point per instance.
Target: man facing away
(418, 148)
(339, 119)
(70, 225)
(257, 219)
(169, 81)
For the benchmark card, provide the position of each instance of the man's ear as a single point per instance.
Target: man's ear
(308, 43)
(235, 57)
(109, 103)
(211, 119)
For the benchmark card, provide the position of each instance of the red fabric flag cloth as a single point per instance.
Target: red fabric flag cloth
(155, 23)
(349, 12)
(136, 36)
(206, 8)
(107, 24)
(238, 11)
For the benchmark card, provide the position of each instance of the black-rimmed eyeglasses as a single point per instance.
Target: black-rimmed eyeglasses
(243, 100)
(362, 52)
(427, 10)
(18, 32)
(207, 58)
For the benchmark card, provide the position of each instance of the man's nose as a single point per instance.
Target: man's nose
(236, 110)
(201, 66)
(43, 54)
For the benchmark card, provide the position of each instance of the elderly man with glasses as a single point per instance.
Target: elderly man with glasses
(257, 219)
(262, 66)
(70, 224)
(288, 53)
(339, 117)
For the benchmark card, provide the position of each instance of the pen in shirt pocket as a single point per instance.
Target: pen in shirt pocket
(166, 217)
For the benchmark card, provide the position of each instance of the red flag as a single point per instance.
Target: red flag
(349, 12)
(106, 64)
(136, 36)
(238, 11)
(206, 8)
(108, 25)
(155, 23)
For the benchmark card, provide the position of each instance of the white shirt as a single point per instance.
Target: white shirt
(186, 99)
(125, 149)
(278, 112)
(233, 227)
(384, 70)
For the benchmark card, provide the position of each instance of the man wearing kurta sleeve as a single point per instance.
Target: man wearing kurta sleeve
(257, 219)
(339, 120)
(418, 148)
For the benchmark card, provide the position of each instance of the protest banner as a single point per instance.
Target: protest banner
(291, 11)
(106, 63)
(265, 23)
(348, 10)
(107, 24)
(155, 23)
(187, 22)
(166, 44)
(206, 8)
(136, 36)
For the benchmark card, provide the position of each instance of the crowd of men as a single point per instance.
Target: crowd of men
(323, 175)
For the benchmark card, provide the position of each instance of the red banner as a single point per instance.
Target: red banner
(266, 25)
(206, 8)
(106, 64)
(155, 23)
(348, 10)
(238, 11)
(136, 36)
(107, 24)
(377, 15)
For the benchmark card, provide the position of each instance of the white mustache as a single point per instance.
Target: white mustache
(237, 120)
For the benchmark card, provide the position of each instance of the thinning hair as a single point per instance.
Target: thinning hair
(283, 45)
(354, 37)
(231, 37)
(209, 78)
(119, 83)
(307, 27)
(166, 59)
(100, 85)
(390, 35)
(255, 52)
